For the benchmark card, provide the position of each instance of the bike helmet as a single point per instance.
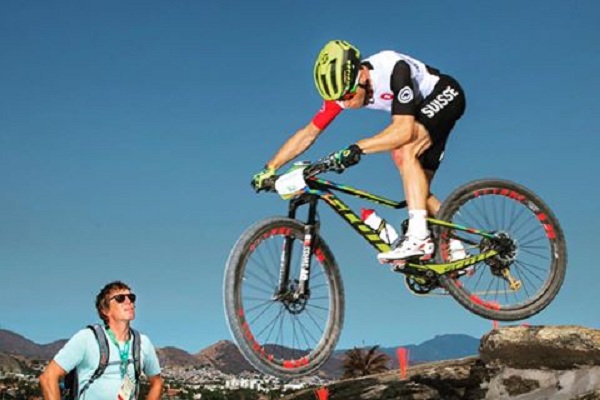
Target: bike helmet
(336, 69)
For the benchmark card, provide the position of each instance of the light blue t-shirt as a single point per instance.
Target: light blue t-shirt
(82, 352)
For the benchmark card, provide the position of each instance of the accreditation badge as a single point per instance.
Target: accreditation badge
(126, 389)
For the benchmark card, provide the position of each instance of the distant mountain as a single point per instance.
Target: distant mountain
(441, 347)
(172, 356)
(225, 356)
(13, 343)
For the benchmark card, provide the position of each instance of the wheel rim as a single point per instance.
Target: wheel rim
(524, 238)
(283, 331)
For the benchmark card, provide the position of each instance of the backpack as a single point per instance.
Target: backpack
(71, 380)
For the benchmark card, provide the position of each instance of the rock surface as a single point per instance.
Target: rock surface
(561, 347)
(515, 363)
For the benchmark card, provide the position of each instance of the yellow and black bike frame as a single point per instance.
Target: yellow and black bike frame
(319, 189)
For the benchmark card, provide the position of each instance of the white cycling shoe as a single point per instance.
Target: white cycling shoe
(409, 247)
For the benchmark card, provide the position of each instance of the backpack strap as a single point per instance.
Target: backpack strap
(137, 362)
(104, 355)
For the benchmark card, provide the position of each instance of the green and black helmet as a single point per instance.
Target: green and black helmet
(336, 69)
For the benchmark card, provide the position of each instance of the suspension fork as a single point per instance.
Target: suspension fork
(308, 245)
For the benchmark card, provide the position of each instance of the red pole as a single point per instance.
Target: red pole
(403, 361)
(322, 393)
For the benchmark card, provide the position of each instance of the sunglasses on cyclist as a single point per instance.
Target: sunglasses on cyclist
(349, 95)
(120, 298)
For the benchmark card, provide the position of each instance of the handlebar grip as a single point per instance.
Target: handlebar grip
(269, 184)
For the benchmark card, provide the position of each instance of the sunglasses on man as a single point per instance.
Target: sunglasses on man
(120, 298)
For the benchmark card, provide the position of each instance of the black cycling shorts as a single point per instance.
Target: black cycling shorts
(438, 112)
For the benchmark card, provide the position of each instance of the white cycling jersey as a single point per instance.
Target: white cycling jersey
(399, 84)
(385, 70)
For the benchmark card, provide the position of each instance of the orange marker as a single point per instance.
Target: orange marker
(322, 393)
(403, 361)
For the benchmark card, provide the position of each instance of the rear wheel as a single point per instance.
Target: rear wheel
(530, 266)
(278, 334)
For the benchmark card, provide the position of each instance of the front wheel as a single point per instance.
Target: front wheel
(529, 268)
(278, 334)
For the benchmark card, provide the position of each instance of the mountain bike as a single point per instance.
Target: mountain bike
(283, 293)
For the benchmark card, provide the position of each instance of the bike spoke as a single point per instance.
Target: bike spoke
(541, 256)
(273, 325)
(263, 304)
(251, 322)
(260, 279)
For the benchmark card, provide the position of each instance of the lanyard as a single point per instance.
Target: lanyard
(123, 354)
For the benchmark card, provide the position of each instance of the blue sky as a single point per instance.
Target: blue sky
(129, 132)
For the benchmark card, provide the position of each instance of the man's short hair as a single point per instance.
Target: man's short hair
(104, 295)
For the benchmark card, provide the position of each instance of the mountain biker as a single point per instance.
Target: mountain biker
(424, 104)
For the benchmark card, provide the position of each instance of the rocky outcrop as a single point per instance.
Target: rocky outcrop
(564, 347)
(515, 363)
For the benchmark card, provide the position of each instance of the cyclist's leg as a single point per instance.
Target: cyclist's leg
(417, 241)
(414, 179)
(423, 153)
(433, 203)
(439, 126)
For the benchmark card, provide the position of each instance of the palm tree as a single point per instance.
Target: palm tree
(359, 362)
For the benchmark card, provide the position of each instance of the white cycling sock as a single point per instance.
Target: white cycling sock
(417, 224)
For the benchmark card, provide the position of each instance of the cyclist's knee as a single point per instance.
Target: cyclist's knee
(410, 152)
(399, 157)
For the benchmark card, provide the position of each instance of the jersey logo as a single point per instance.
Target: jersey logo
(439, 102)
(387, 96)
(405, 95)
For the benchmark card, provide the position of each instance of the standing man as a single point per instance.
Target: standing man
(424, 105)
(116, 307)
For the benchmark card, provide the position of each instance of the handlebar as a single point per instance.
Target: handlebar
(314, 169)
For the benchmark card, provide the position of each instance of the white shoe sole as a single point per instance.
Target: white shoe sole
(402, 261)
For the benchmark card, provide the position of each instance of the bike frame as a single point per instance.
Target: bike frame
(320, 189)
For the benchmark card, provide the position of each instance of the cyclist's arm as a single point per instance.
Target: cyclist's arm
(49, 381)
(399, 132)
(297, 144)
(305, 137)
(402, 129)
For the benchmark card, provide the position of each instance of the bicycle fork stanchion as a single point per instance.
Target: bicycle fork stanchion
(286, 254)
(308, 246)
(310, 229)
(284, 266)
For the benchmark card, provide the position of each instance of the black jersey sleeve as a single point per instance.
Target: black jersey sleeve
(402, 87)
